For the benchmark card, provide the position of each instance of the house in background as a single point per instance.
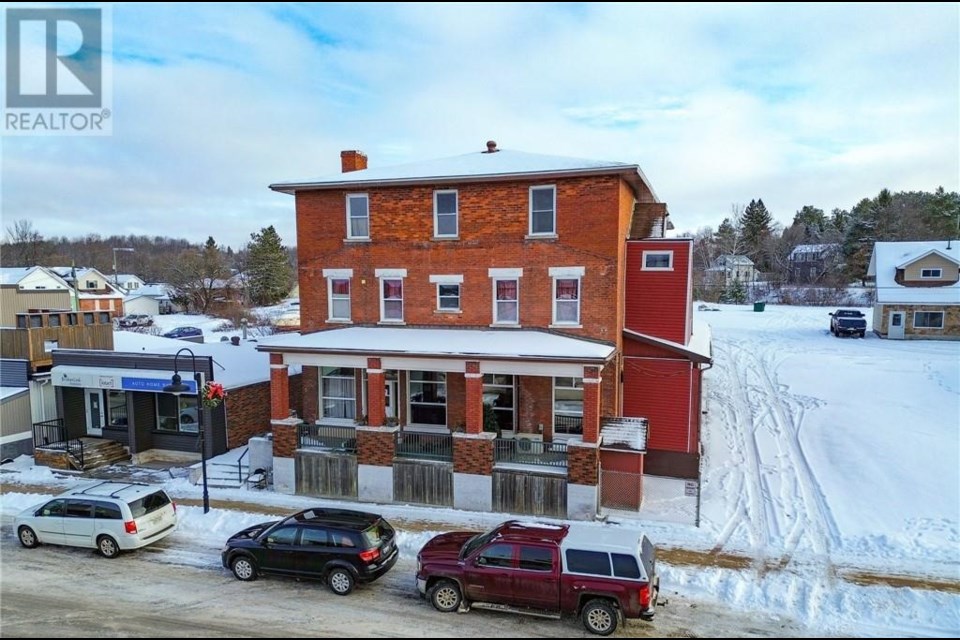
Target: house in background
(24, 289)
(94, 290)
(730, 267)
(462, 336)
(811, 263)
(129, 283)
(918, 289)
(152, 299)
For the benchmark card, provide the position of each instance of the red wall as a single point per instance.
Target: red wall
(659, 390)
(658, 302)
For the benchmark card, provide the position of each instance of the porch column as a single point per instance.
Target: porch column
(474, 398)
(375, 398)
(279, 388)
(591, 404)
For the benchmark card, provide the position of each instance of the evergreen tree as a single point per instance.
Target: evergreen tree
(755, 224)
(736, 292)
(268, 270)
(813, 222)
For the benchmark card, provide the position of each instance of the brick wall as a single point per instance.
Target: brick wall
(310, 396)
(284, 437)
(248, 410)
(376, 446)
(295, 390)
(535, 405)
(456, 400)
(583, 464)
(493, 226)
(473, 453)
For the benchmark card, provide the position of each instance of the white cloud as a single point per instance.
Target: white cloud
(797, 104)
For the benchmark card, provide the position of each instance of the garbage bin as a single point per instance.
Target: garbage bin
(759, 306)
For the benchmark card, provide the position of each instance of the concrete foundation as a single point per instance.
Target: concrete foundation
(284, 475)
(472, 492)
(374, 483)
(261, 453)
(581, 501)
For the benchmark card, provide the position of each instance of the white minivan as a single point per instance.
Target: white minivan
(108, 516)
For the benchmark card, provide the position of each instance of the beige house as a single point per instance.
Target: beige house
(24, 289)
(918, 289)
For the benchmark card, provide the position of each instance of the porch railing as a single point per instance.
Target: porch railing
(425, 446)
(52, 434)
(572, 425)
(332, 438)
(533, 452)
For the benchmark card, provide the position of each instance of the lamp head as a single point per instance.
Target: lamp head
(176, 386)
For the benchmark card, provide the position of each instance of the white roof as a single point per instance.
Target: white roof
(888, 256)
(492, 343)
(698, 345)
(470, 165)
(13, 275)
(812, 248)
(124, 278)
(153, 290)
(9, 392)
(612, 537)
(731, 259)
(628, 432)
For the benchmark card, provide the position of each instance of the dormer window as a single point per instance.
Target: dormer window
(931, 274)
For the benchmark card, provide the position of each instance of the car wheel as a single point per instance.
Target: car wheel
(243, 568)
(599, 617)
(340, 581)
(108, 547)
(446, 596)
(27, 537)
(863, 334)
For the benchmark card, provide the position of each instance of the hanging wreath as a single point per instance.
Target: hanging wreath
(212, 395)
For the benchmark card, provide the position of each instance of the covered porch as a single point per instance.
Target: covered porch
(523, 401)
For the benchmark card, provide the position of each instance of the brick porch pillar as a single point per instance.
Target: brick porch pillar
(279, 388)
(311, 393)
(474, 398)
(591, 405)
(375, 394)
(376, 446)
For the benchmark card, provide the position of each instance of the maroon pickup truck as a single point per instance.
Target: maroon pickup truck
(600, 573)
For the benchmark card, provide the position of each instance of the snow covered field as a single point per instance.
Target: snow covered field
(829, 463)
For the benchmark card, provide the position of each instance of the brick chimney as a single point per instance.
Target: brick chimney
(353, 160)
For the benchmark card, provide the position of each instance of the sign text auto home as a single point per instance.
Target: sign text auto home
(151, 382)
(58, 72)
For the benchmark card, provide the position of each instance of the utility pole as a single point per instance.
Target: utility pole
(116, 283)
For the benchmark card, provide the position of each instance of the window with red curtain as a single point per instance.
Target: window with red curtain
(339, 299)
(507, 309)
(392, 299)
(567, 301)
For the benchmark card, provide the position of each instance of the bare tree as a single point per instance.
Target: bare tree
(25, 246)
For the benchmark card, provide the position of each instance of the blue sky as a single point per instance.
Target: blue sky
(719, 104)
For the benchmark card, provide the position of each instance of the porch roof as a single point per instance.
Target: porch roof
(498, 344)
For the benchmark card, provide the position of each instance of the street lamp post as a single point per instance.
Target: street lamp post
(116, 282)
(177, 387)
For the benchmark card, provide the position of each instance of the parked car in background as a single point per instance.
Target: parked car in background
(601, 574)
(136, 320)
(107, 516)
(185, 332)
(339, 546)
(848, 322)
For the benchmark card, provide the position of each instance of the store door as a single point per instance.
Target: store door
(95, 414)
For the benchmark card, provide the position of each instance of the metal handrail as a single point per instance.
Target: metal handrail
(329, 437)
(240, 465)
(424, 446)
(532, 452)
(568, 424)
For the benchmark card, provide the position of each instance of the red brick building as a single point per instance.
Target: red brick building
(467, 316)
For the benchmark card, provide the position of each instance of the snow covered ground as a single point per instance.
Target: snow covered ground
(829, 463)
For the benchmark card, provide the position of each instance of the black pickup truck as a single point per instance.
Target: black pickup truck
(848, 322)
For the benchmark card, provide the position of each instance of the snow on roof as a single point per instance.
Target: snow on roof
(9, 392)
(124, 278)
(234, 365)
(698, 347)
(888, 256)
(470, 165)
(13, 275)
(624, 432)
(813, 248)
(154, 290)
(731, 260)
(490, 343)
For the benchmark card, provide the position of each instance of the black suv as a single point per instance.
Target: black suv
(339, 546)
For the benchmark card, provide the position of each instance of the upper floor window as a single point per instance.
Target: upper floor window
(657, 260)
(506, 301)
(339, 298)
(543, 211)
(448, 292)
(931, 273)
(358, 216)
(566, 301)
(91, 284)
(445, 214)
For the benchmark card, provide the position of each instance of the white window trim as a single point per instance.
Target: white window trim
(566, 273)
(936, 277)
(505, 273)
(542, 234)
(942, 318)
(338, 274)
(321, 417)
(493, 284)
(392, 274)
(658, 252)
(459, 308)
(350, 235)
(450, 279)
(436, 225)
